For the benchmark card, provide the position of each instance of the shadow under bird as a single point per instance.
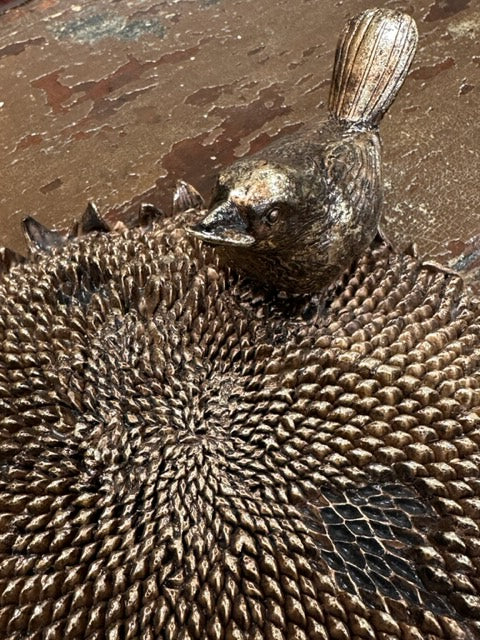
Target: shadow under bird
(297, 214)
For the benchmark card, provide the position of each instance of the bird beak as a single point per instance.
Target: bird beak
(223, 225)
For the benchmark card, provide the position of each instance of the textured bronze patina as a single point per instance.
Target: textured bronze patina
(296, 215)
(183, 455)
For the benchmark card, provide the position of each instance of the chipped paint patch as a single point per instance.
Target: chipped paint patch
(469, 257)
(430, 71)
(51, 186)
(5, 6)
(466, 28)
(15, 48)
(442, 9)
(93, 27)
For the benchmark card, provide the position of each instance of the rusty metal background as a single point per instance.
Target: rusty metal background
(113, 101)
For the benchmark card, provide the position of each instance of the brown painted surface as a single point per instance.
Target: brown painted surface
(112, 102)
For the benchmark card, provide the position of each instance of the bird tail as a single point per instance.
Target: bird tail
(372, 59)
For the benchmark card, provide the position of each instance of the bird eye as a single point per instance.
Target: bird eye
(272, 216)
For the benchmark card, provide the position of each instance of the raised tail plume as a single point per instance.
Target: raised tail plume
(372, 59)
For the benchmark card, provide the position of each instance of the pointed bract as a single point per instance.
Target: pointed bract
(148, 213)
(8, 259)
(40, 237)
(186, 197)
(92, 221)
(75, 229)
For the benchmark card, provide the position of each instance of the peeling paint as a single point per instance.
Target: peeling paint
(11, 4)
(54, 184)
(206, 96)
(430, 71)
(97, 26)
(442, 9)
(468, 254)
(468, 27)
(29, 140)
(16, 48)
(95, 92)
(56, 92)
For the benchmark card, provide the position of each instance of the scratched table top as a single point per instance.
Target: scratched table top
(112, 102)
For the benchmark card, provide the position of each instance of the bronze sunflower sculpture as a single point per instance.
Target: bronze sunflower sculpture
(186, 454)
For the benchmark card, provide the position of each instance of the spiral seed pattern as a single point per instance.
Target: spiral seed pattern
(184, 456)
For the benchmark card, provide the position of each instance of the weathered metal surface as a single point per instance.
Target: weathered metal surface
(114, 102)
(186, 457)
(330, 446)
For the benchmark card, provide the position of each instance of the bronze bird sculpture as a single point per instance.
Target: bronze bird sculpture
(296, 214)
(184, 455)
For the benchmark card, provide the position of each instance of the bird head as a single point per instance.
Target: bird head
(297, 226)
(253, 206)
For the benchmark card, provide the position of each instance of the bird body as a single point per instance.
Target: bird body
(337, 168)
(296, 214)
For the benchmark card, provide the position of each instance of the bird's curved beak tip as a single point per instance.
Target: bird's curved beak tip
(222, 226)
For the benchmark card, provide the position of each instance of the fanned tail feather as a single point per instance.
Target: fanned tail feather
(372, 59)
